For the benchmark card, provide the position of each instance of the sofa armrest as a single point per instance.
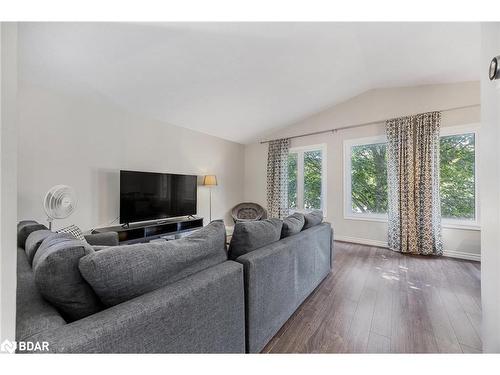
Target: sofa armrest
(203, 313)
(102, 239)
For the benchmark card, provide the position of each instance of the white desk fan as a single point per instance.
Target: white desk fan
(59, 202)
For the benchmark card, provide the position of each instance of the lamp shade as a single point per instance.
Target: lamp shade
(210, 180)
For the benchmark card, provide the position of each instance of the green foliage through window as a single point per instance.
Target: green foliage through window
(312, 180)
(369, 178)
(292, 181)
(457, 176)
(305, 186)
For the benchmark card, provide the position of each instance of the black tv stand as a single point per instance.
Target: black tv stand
(130, 233)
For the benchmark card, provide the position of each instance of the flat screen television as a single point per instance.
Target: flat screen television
(152, 196)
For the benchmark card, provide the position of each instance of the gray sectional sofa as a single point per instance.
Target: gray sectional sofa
(183, 296)
(174, 297)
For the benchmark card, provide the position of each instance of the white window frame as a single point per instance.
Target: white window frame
(300, 175)
(465, 223)
(348, 145)
(446, 222)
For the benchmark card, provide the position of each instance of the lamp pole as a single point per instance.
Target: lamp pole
(210, 190)
(210, 181)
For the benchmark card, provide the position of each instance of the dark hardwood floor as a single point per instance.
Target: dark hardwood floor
(379, 301)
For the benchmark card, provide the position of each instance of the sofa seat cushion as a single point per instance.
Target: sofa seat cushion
(251, 235)
(55, 267)
(24, 228)
(120, 273)
(292, 224)
(34, 241)
(312, 219)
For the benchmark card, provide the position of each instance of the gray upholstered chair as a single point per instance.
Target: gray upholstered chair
(248, 211)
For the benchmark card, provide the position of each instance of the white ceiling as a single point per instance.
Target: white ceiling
(240, 80)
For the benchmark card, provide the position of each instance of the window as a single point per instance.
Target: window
(365, 178)
(307, 178)
(458, 178)
(369, 178)
(292, 180)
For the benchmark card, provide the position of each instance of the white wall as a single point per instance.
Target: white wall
(374, 105)
(8, 179)
(490, 192)
(84, 141)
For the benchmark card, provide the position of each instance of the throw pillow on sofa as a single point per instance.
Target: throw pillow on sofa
(292, 224)
(120, 273)
(24, 228)
(74, 231)
(251, 235)
(312, 219)
(55, 267)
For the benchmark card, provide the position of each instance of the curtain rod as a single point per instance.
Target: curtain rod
(333, 130)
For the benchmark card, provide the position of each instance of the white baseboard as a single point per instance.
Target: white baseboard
(447, 253)
(462, 255)
(362, 241)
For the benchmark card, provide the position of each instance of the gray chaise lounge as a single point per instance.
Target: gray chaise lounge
(279, 277)
(281, 274)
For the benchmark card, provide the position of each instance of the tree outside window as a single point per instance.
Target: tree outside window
(457, 176)
(292, 180)
(312, 180)
(369, 178)
(306, 179)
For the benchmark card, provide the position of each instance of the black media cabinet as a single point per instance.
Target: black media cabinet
(145, 232)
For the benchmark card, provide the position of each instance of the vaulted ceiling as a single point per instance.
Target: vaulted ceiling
(240, 80)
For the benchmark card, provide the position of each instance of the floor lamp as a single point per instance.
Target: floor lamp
(210, 180)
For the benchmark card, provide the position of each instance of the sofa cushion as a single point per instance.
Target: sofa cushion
(102, 239)
(34, 241)
(24, 228)
(292, 224)
(26, 222)
(55, 266)
(33, 313)
(251, 235)
(313, 218)
(120, 273)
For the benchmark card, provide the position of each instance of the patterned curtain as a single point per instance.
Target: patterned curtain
(413, 184)
(277, 178)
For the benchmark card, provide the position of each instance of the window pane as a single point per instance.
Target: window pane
(312, 179)
(457, 180)
(292, 180)
(369, 178)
